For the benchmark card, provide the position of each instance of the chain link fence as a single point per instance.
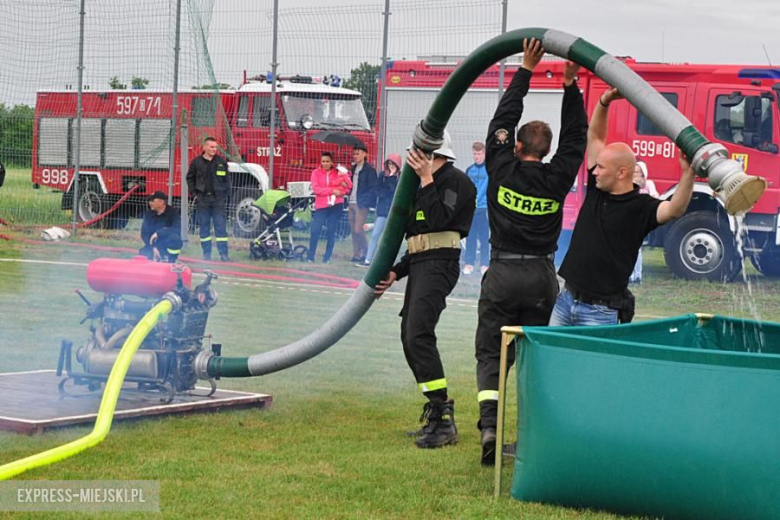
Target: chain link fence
(159, 75)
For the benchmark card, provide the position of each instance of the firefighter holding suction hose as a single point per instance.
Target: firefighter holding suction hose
(525, 212)
(442, 214)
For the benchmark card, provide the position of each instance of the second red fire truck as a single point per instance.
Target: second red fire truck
(736, 106)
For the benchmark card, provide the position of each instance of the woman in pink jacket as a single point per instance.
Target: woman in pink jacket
(329, 186)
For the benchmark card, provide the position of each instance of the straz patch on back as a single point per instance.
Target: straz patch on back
(525, 204)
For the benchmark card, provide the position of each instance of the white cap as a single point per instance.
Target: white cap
(342, 169)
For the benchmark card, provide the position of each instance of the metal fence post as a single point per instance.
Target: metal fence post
(502, 65)
(272, 125)
(79, 110)
(185, 199)
(174, 103)
(382, 126)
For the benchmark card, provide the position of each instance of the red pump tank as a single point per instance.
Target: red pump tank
(137, 276)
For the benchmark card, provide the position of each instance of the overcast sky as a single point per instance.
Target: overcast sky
(696, 31)
(316, 37)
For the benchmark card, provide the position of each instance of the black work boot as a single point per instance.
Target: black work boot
(441, 429)
(423, 418)
(488, 446)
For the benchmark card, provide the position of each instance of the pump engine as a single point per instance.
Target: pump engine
(165, 360)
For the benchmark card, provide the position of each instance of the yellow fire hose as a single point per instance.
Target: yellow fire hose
(107, 405)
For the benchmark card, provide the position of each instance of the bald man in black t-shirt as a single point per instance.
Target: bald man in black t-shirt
(612, 224)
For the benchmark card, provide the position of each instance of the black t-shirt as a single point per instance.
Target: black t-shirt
(525, 198)
(605, 243)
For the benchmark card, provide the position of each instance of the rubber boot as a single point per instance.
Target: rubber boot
(440, 430)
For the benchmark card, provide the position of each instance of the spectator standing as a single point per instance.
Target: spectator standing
(480, 230)
(329, 186)
(209, 182)
(388, 182)
(645, 186)
(361, 200)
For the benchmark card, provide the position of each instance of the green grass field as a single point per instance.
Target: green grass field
(333, 444)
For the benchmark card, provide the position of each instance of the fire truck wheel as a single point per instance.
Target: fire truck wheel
(91, 201)
(768, 261)
(247, 219)
(700, 246)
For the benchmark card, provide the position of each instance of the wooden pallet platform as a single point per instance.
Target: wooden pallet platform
(31, 402)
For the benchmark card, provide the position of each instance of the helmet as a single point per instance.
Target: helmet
(446, 148)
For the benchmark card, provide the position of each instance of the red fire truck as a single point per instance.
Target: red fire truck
(126, 138)
(736, 106)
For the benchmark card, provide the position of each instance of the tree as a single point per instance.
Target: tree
(16, 135)
(364, 79)
(218, 86)
(139, 83)
(116, 84)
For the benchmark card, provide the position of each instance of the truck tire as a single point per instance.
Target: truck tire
(700, 246)
(248, 221)
(768, 261)
(90, 202)
(93, 202)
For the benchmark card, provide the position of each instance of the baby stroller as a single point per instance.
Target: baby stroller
(280, 212)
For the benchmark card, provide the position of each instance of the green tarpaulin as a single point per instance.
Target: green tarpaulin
(674, 418)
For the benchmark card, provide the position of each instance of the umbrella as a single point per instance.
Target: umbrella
(270, 199)
(339, 138)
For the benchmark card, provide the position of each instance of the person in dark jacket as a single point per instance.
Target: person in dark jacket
(525, 210)
(388, 182)
(361, 200)
(443, 210)
(161, 230)
(208, 180)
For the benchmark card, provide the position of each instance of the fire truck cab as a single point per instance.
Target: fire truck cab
(305, 106)
(736, 106)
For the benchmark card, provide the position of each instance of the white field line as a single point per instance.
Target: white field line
(311, 287)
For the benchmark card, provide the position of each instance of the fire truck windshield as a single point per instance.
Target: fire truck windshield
(326, 112)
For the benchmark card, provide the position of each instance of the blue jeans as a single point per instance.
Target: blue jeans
(571, 312)
(330, 216)
(376, 234)
(480, 232)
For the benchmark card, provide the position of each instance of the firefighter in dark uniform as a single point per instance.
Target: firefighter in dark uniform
(443, 210)
(208, 180)
(525, 211)
(161, 230)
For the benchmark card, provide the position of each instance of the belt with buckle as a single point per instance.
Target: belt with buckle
(495, 254)
(588, 298)
(428, 241)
